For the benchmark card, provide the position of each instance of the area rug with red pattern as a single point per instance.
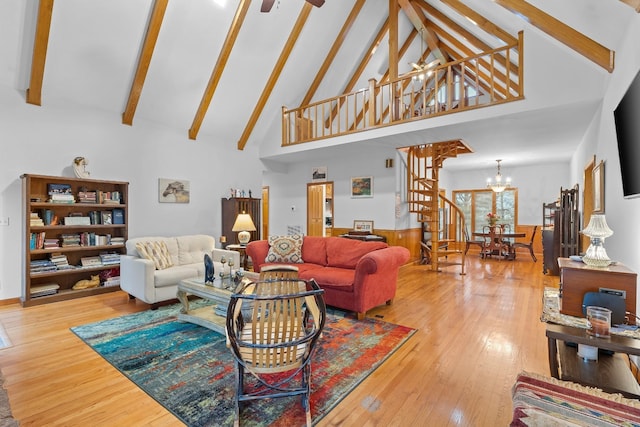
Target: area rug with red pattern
(189, 370)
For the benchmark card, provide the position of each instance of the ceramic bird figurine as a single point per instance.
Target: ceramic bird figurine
(209, 275)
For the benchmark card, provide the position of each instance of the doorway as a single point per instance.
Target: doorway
(320, 210)
(587, 200)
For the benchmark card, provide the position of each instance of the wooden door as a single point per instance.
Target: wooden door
(587, 207)
(315, 209)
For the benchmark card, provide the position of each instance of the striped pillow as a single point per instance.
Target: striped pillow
(157, 252)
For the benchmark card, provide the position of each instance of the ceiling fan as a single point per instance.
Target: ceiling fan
(268, 4)
(423, 66)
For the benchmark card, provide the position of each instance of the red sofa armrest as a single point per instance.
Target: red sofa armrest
(257, 250)
(377, 274)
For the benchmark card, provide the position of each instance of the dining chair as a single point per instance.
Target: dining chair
(527, 245)
(272, 328)
(469, 242)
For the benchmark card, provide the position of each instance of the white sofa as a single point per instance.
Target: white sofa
(140, 278)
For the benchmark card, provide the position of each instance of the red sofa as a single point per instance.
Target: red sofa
(355, 275)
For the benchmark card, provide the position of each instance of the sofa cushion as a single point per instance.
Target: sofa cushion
(331, 277)
(171, 276)
(314, 250)
(345, 253)
(157, 252)
(191, 249)
(285, 249)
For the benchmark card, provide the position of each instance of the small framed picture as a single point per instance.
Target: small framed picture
(363, 226)
(107, 217)
(361, 187)
(319, 174)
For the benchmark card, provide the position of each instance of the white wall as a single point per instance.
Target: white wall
(622, 215)
(44, 140)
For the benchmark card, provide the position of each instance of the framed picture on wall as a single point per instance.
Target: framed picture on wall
(361, 187)
(598, 188)
(363, 226)
(319, 174)
(173, 190)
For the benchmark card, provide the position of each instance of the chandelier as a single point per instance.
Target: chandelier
(498, 185)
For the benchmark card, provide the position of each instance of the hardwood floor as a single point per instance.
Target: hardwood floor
(475, 333)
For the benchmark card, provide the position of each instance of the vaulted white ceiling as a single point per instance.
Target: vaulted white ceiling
(94, 48)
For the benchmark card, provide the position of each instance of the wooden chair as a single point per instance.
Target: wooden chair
(469, 242)
(272, 327)
(494, 243)
(278, 271)
(528, 245)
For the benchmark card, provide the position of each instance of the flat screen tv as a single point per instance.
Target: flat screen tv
(627, 118)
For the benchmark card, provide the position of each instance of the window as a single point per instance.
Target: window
(476, 204)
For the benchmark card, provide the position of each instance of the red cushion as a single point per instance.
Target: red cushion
(314, 250)
(346, 253)
(330, 277)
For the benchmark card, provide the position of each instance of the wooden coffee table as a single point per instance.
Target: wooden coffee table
(610, 373)
(204, 316)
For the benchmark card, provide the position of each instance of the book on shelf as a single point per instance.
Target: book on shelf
(70, 240)
(77, 220)
(51, 243)
(42, 266)
(60, 260)
(110, 258)
(112, 281)
(44, 290)
(117, 240)
(36, 240)
(35, 220)
(90, 261)
(87, 197)
(118, 216)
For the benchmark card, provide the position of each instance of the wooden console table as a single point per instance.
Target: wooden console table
(577, 278)
(610, 373)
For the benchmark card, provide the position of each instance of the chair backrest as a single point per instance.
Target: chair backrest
(278, 271)
(273, 325)
(533, 235)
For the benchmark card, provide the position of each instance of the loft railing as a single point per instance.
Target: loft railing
(489, 78)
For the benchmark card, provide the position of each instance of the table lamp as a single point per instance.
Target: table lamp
(244, 224)
(597, 230)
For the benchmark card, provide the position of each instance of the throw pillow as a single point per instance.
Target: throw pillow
(157, 252)
(287, 249)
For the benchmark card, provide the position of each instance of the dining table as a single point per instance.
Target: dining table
(499, 243)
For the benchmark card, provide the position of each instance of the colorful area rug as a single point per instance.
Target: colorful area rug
(189, 370)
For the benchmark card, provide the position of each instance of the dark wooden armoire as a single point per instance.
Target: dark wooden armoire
(230, 210)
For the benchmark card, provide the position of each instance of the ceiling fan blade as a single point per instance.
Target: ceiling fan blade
(431, 64)
(316, 3)
(267, 5)
(416, 66)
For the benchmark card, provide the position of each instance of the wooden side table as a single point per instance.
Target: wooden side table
(577, 279)
(610, 373)
(244, 262)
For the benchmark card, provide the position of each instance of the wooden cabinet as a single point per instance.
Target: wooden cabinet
(78, 235)
(230, 210)
(560, 231)
(577, 278)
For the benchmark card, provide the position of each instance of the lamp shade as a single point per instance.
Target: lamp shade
(244, 224)
(597, 227)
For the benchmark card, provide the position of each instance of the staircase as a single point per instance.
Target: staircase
(443, 242)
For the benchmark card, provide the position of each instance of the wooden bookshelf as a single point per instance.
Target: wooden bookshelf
(100, 232)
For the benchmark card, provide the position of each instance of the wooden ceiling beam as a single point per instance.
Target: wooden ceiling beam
(333, 52)
(361, 66)
(633, 3)
(150, 38)
(275, 74)
(393, 39)
(557, 29)
(480, 21)
(218, 68)
(465, 35)
(419, 21)
(39, 58)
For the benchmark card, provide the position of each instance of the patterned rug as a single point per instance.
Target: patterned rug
(189, 370)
